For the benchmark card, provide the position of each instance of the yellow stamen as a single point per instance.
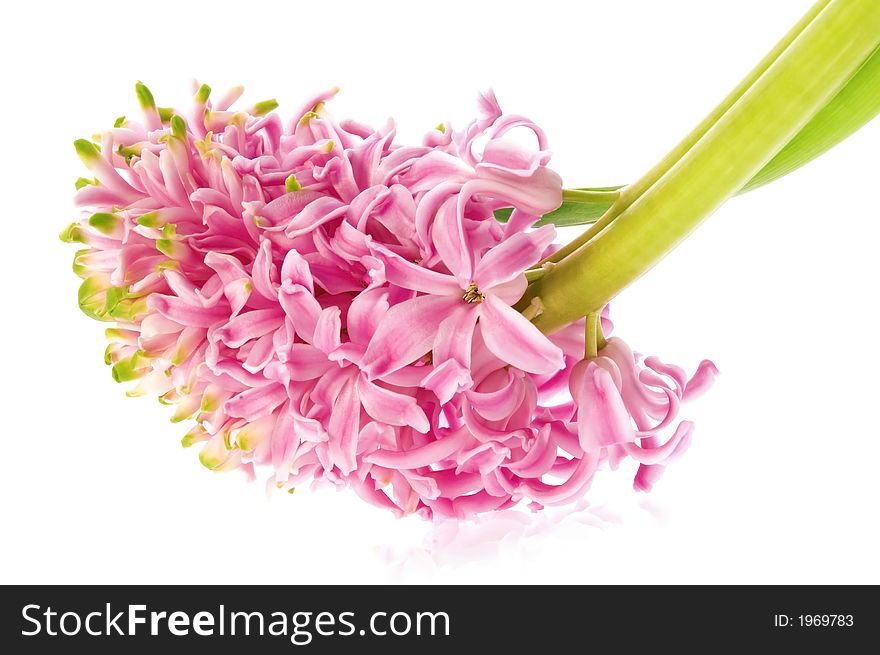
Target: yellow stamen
(472, 294)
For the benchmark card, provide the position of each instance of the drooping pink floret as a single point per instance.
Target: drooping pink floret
(332, 306)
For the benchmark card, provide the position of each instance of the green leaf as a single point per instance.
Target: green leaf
(569, 213)
(853, 106)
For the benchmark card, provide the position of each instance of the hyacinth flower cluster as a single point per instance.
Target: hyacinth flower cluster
(328, 305)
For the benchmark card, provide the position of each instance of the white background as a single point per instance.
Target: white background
(779, 288)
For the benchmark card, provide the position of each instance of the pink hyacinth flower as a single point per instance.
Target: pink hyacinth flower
(329, 306)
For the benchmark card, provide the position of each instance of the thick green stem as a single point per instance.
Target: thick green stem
(629, 194)
(790, 92)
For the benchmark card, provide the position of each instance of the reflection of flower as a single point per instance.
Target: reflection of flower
(336, 307)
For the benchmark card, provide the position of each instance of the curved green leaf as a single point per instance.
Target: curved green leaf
(853, 106)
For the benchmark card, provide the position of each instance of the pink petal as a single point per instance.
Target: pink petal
(406, 333)
(343, 428)
(327, 330)
(321, 211)
(646, 476)
(602, 417)
(306, 362)
(539, 194)
(701, 380)
(540, 457)
(510, 292)
(501, 403)
(261, 353)
(284, 442)
(674, 446)
(508, 156)
(452, 243)
(512, 257)
(436, 168)
(227, 267)
(447, 379)
(302, 310)
(408, 275)
(391, 407)
(455, 335)
(367, 491)
(285, 207)
(435, 451)
(175, 309)
(250, 325)
(365, 314)
(295, 271)
(264, 270)
(514, 339)
(254, 403)
(549, 494)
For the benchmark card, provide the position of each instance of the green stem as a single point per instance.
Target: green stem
(535, 274)
(631, 193)
(789, 93)
(594, 340)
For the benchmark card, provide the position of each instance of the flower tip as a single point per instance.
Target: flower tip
(203, 93)
(128, 369)
(178, 126)
(145, 97)
(129, 152)
(80, 263)
(72, 234)
(166, 247)
(264, 107)
(104, 222)
(291, 184)
(150, 219)
(119, 122)
(701, 381)
(165, 113)
(86, 150)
